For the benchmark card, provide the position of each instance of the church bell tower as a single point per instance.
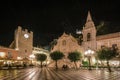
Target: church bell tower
(89, 34)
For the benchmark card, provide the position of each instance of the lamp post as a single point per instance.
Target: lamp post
(88, 54)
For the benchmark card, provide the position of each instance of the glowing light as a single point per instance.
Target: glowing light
(41, 52)
(85, 59)
(88, 52)
(93, 60)
(26, 35)
(78, 32)
(16, 48)
(32, 56)
(2, 54)
(19, 58)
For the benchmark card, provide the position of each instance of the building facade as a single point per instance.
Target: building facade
(66, 44)
(90, 40)
(7, 55)
(23, 42)
(20, 49)
(38, 50)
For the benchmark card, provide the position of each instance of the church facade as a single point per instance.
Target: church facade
(66, 44)
(90, 40)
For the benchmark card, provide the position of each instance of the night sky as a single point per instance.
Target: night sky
(48, 19)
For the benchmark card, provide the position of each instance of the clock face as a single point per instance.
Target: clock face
(26, 35)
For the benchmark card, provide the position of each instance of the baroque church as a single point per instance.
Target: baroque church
(67, 43)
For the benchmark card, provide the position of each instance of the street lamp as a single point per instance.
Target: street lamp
(32, 57)
(88, 54)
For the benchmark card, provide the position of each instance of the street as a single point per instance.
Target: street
(51, 74)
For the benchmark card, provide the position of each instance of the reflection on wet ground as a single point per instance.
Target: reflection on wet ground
(52, 74)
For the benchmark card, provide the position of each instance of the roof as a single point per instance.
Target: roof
(108, 36)
(89, 17)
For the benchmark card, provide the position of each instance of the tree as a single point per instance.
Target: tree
(103, 28)
(56, 55)
(53, 43)
(41, 58)
(106, 54)
(74, 56)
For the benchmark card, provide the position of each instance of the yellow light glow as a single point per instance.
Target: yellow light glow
(48, 62)
(93, 60)
(19, 58)
(32, 56)
(2, 54)
(85, 59)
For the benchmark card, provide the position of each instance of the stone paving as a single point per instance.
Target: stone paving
(52, 74)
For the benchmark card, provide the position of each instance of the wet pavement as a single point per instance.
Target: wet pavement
(51, 74)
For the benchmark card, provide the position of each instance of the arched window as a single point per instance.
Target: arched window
(88, 37)
(25, 50)
(63, 42)
(114, 46)
(9, 55)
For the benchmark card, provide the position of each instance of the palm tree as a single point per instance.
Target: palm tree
(106, 54)
(56, 55)
(74, 56)
(41, 58)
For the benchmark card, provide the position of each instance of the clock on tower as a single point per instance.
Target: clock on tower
(26, 35)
